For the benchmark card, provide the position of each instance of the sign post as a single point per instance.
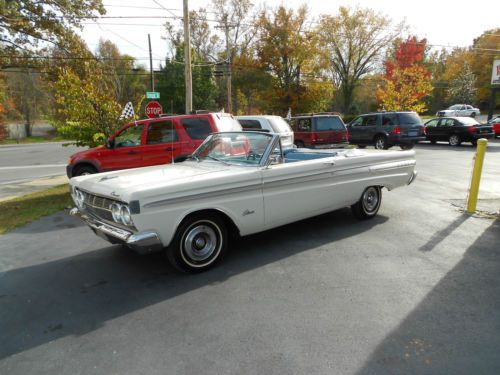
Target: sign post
(153, 109)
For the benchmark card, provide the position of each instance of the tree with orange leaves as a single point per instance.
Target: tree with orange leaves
(407, 81)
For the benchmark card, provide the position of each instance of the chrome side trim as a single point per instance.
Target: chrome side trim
(197, 196)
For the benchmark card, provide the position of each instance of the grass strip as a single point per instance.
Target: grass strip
(23, 210)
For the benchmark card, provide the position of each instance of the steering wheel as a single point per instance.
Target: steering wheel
(252, 155)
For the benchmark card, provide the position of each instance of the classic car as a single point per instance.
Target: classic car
(235, 183)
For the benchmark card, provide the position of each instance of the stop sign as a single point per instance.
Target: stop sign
(153, 109)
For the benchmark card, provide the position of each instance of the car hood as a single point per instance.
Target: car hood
(131, 184)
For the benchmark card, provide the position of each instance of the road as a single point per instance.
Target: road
(413, 291)
(30, 161)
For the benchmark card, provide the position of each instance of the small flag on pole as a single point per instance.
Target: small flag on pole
(289, 113)
(128, 111)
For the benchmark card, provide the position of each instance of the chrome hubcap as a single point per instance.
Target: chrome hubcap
(200, 243)
(370, 199)
(453, 140)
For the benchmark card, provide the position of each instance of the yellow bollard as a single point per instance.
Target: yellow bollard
(476, 175)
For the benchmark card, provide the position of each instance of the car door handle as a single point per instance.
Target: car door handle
(329, 163)
(170, 149)
(132, 152)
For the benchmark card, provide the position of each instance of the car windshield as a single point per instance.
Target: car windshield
(454, 107)
(238, 148)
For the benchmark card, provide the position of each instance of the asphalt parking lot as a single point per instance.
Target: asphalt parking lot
(416, 290)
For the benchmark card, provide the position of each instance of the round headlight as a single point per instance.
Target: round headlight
(125, 214)
(79, 199)
(116, 212)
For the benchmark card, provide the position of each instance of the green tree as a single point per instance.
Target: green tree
(351, 43)
(85, 111)
(287, 51)
(129, 81)
(26, 23)
(171, 84)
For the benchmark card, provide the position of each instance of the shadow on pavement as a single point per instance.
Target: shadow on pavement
(456, 327)
(438, 237)
(78, 294)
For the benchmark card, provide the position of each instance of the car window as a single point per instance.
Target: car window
(389, 119)
(370, 120)
(432, 123)
(454, 107)
(129, 137)
(409, 118)
(161, 132)
(469, 107)
(328, 123)
(250, 124)
(304, 124)
(357, 121)
(197, 127)
(447, 122)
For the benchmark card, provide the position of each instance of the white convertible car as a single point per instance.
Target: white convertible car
(235, 183)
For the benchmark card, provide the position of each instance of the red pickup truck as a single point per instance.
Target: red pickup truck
(151, 142)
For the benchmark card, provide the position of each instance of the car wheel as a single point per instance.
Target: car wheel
(474, 142)
(407, 146)
(369, 203)
(454, 140)
(473, 114)
(84, 170)
(299, 144)
(199, 243)
(381, 143)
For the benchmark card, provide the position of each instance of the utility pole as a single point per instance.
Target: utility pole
(187, 60)
(151, 72)
(228, 82)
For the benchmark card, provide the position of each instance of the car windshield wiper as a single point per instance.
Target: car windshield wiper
(194, 157)
(214, 158)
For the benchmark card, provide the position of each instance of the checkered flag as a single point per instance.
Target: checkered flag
(128, 111)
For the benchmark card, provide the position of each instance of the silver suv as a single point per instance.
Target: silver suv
(271, 124)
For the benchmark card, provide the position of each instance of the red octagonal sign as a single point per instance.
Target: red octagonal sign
(153, 109)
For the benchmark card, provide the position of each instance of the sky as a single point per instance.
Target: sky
(442, 23)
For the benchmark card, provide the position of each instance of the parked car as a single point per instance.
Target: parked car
(456, 130)
(386, 129)
(272, 124)
(495, 123)
(459, 110)
(234, 183)
(150, 142)
(319, 130)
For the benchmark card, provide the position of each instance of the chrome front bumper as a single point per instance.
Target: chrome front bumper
(413, 177)
(142, 242)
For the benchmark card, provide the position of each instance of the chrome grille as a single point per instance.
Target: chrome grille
(98, 206)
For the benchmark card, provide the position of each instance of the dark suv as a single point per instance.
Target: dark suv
(319, 130)
(386, 129)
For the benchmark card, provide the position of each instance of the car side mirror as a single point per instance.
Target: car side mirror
(110, 143)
